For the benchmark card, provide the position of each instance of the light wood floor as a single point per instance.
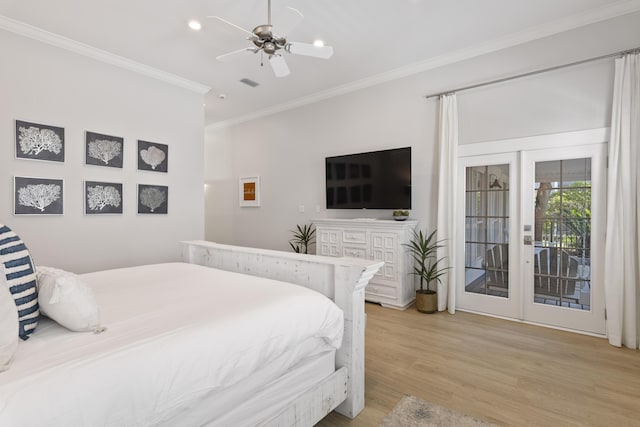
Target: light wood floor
(504, 372)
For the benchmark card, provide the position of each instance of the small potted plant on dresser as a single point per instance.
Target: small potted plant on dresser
(428, 267)
(400, 215)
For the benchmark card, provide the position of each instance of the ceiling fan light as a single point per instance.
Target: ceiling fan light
(269, 48)
(195, 25)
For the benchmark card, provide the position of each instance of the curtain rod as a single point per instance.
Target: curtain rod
(533, 73)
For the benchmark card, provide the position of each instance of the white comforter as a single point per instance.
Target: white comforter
(174, 332)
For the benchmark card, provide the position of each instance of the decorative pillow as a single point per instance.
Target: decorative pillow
(68, 300)
(8, 324)
(21, 279)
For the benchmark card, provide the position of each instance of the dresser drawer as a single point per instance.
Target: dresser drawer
(355, 251)
(381, 290)
(329, 250)
(354, 236)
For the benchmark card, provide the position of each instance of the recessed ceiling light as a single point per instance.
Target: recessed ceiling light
(195, 25)
(318, 43)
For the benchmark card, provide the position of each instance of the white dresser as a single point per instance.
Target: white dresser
(379, 240)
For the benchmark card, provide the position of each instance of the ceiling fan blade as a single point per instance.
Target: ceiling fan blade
(279, 65)
(235, 54)
(286, 21)
(249, 33)
(306, 49)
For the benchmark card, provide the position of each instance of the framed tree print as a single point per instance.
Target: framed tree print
(102, 198)
(38, 196)
(153, 156)
(103, 150)
(153, 199)
(39, 142)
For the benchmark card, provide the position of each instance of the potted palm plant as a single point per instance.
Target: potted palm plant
(303, 237)
(428, 267)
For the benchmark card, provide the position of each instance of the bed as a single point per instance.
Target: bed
(231, 336)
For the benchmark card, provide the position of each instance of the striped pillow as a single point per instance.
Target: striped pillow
(21, 279)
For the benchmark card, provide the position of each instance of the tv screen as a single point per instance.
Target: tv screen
(373, 180)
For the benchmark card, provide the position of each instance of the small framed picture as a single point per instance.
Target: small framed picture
(39, 142)
(153, 199)
(250, 191)
(38, 196)
(153, 156)
(102, 198)
(103, 150)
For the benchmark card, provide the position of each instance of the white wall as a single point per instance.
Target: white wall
(288, 149)
(48, 85)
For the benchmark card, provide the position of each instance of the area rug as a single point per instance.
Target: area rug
(412, 411)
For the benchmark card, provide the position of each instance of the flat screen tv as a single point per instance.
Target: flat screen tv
(373, 180)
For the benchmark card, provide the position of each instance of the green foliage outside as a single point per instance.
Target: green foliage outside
(568, 216)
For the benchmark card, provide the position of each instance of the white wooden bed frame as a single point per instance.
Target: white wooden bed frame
(341, 279)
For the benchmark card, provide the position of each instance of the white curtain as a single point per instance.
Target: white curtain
(447, 190)
(622, 257)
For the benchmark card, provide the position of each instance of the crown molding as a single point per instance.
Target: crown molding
(591, 16)
(56, 40)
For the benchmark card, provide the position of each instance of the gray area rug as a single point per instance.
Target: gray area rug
(415, 412)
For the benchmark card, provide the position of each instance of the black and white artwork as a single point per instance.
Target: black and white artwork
(103, 150)
(39, 142)
(102, 198)
(153, 199)
(38, 196)
(153, 156)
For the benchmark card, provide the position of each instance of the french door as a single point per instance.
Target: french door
(533, 238)
(489, 220)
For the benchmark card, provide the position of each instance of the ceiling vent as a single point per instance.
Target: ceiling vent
(249, 82)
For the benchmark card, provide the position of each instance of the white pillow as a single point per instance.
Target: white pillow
(9, 325)
(65, 298)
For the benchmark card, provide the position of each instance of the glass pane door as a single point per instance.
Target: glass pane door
(487, 230)
(562, 233)
(485, 250)
(531, 236)
(563, 219)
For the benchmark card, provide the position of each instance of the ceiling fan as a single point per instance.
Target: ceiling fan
(273, 44)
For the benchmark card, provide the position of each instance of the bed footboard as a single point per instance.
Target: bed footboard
(341, 279)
